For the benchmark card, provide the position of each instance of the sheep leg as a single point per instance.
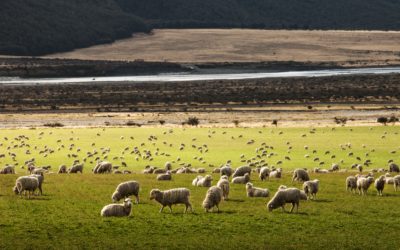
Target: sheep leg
(170, 208)
(217, 208)
(137, 199)
(293, 204)
(162, 208)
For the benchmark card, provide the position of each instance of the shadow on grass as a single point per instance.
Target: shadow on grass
(321, 201)
(234, 200)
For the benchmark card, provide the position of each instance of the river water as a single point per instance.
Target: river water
(198, 77)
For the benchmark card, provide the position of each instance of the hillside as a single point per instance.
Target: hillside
(47, 26)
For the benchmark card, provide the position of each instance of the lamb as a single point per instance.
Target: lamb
(256, 192)
(223, 183)
(351, 183)
(126, 189)
(165, 177)
(287, 195)
(241, 171)
(363, 184)
(117, 210)
(276, 173)
(103, 168)
(213, 198)
(396, 181)
(241, 179)
(26, 183)
(394, 168)
(380, 184)
(300, 175)
(62, 169)
(40, 178)
(226, 170)
(75, 169)
(7, 170)
(264, 173)
(171, 197)
(311, 188)
(204, 181)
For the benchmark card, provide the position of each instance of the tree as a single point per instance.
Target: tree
(193, 121)
(382, 120)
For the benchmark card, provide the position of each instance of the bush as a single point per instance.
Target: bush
(162, 122)
(236, 122)
(382, 120)
(53, 124)
(193, 121)
(340, 120)
(275, 122)
(132, 123)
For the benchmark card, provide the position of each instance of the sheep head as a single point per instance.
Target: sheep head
(154, 193)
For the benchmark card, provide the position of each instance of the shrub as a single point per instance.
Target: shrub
(382, 120)
(53, 124)
(193, 121)
(236, 122)
(162, 122)
(275, 122)
(340, 120)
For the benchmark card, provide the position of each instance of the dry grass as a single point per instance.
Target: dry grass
(241, 45)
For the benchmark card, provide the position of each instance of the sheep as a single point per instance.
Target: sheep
(241, 179)
(287, 195)
(75, 169)
(351, 183)
(40, 178)
(171, 197)
(394, 168)
(62, 169)
(26, 183)
(300, 175)
(204, 181)
(226, 170)
(223, 183)
(159, 171)
(148, 170)
(363, 184)
(216, 171)
(117, 210)
(380, 184)
(7, 170)
(126, 189)
(320, 171)
(256, 192)
(39, 171)
(127, 172)
(264, 173)
(213, 198)
(335, 167)
(276, 173)
(201, 170)
(103, 168)
(165, 177)
(168, 166)
(241, 171)
(396, 181)
(311, 188)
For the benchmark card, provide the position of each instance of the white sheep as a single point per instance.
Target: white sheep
(103, 168)
(126, 189)
(26, 183)
(396, 182)
(300, 175)
(241, 179)
(286, 195)
(171, 197)
(165, 177)
(255, 191)
(311, 188)
(241, 171)
(351, 183)
(7, 170)
(62, 169)
(226, 170)
(363, 184)
(213, 198)
(204, 181)
(277, 173)
(117, 210)
(223, 183)
(76, 169)
(264, 173)
(40, 178)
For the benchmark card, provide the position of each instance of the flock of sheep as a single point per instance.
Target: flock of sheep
(27, 185)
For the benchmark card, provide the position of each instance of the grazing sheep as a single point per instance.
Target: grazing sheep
(380, 184)
(117, 172)
(26, 183)
(165, 177)
(256, 192)
(264, 173)
(148, 170)
(320, 171)
(171, 197)
(103, 168)
(351, 183)
(117, 210)
(168, 166)
(204, 181)
(286, 195)
(363, 184)
(39, 171)
(62, 169)
(76, 169)
(396, 182)
(311, 188)
(300, 175)
(213, 198)
(241, 171)
(159, 171)
(335, 167)
(226, 170)
(223, 183)
(216, 171)
(195, 180)
(394, 168)
(127, 172)
(201, 170)
(276, 173)
(126, 189)
(40, 178)
(7, 170)
(241, 179)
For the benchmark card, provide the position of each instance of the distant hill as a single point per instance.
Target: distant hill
(37, 27)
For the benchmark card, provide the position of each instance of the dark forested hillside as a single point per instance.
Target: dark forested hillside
(36, 27)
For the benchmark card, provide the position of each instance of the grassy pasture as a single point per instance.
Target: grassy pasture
(67, 216)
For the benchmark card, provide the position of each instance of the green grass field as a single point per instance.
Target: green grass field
(67, 216)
